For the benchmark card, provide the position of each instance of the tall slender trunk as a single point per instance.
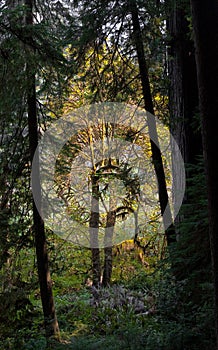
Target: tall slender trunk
(108, 241)
(148, 104)
(50, 319)
(93, 231)
(204, 15)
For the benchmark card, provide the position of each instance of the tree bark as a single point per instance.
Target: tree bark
(148, 104)
(109, 231)
(50, 319)
(183, 90)
(204, 15)
(93, 231)
(183, 95)
(111, 218)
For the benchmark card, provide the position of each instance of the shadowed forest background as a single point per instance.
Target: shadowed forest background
(159, 288)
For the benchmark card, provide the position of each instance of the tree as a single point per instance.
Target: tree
(19, 95)
(204, 17)
(185, 127)
(183, 90)
(50, 319)
(148, 104)
(123, 38)
(14, 150)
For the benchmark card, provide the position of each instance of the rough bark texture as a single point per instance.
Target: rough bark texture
(183, 93)
(148, 103)
(205, 16)
(183, 85)
(51, 324)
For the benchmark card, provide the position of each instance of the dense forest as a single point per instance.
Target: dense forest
(108, 174)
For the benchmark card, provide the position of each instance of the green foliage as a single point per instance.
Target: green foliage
(191, 256)
(180, 323)
(146, 308)
(151, 311)
(80, 59)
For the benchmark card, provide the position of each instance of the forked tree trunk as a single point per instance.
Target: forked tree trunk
(50, 319)
(205, 15)
(148, 104)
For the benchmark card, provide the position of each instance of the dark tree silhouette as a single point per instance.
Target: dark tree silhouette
(205, 16)
(148, 104)
(50, 319)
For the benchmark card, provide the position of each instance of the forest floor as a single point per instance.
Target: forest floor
(144, 308)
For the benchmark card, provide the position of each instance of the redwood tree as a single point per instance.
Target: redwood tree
(204, 15)
(183, 90)
(185, 127)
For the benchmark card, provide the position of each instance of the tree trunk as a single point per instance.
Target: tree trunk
(185, 128)
(109, 231)
(156, 153)
(50, 319)
(93, 231)
(183, 94)
(205, 16)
